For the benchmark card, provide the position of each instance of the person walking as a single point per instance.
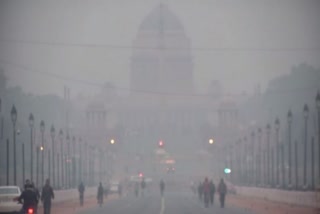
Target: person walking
(100, 194)
(46, 196)
(162, 186)
(222, 189)
(212, 192)
(81, 190)
(206, 191)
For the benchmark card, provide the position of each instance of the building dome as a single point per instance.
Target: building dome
(161, 19)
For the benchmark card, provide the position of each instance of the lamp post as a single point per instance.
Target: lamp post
(8, 158)
(252, 158)
(268, 128)
(277, 127)
(245, 159)
(42, 128)
(68, 161)
(37, 165)
(74, 170)
(23, 168)
(61, 154)
(31, 124)
(318, 109)
(306, 116)
(259, 156)
(53, 133)
(14, 120)
(80, 159)
(289, 118)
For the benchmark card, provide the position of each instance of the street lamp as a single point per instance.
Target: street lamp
(42, 128)
(306, 116)
(14, 120)
(68, 161)
(31, 124)
(259, 155)
(211, 141)
(61, 153)
(53, 133)
(277, 127)
(289, 119)
(112, 141)
(253, 179)
(268, 128)
(318, 109)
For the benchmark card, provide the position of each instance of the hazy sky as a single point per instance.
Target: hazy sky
(270, 36)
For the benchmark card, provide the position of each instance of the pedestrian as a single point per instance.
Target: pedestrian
(143, 186)
(222, 189)
(81, 190)
(46, 196)
(206, 191)
(100, 194)
(162, 186)
(212, 192)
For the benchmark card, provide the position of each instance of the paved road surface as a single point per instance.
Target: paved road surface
(171, 203)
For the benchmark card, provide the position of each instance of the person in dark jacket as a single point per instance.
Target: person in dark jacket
(28, 198)
(46, 196)
(222, 189)
(212, 192)
(100, 194)
(81, 190)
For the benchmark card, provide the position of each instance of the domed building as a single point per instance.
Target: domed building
(161, 58)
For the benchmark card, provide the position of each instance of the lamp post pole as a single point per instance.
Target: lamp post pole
(289, 117)
(8, 158)
(268, 153)
(42, 127)
(252, 159)
(23, 168)
(14, 120)
(318, 109)
(259, 156)
(306, 116)
(31, 124)
(277, 127)
(62, 155)
(53, 133)
(68, 161)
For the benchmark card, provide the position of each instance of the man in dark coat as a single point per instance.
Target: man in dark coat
(46, 196)
(222, 189)
(212, 192)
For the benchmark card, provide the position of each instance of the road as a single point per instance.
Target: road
(172, 202)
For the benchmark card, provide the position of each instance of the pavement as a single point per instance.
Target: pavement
(73, 206)
(177, 202)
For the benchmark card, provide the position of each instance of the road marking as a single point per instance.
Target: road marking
(162, 205)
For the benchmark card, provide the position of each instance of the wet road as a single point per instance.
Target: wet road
(171, 203)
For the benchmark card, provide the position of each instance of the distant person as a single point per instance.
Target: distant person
(81, 190)
(162, 187)
(46, 196)
(206, 191)
(100, 194)
(222, 189)
(143, 186)
(212, 192)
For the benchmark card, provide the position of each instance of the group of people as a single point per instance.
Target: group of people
(30, 197)
(207, 191)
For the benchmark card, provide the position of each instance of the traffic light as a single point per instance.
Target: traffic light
(161, 144)
(227, 171)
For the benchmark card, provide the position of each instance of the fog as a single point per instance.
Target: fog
(163, 89)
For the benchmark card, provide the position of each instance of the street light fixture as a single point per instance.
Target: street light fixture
(306, 116)
(289, 119)
(42, 128)
(259, 155)
(211, 141)
(14, 120)
(112, 141)
(53, 133)
(31, 124)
